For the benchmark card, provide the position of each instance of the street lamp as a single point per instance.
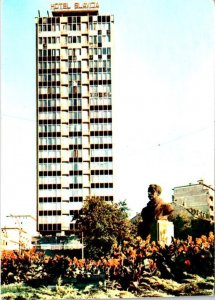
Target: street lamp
(82, 242)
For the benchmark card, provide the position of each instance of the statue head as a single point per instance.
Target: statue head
(154, 191)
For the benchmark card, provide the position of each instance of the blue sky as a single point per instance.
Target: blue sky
(163, 98)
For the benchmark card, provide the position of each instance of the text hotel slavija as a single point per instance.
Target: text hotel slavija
(77, 5)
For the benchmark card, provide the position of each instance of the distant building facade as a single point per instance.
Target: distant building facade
(19, 232)
(197, 198)
(14, 238)
(74, 113)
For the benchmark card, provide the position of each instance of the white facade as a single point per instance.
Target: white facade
(197, 198)
(18, 232)
(15, 239)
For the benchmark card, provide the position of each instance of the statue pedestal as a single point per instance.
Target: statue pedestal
(165, 231)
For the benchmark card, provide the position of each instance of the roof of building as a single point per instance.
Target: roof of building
(200, 182)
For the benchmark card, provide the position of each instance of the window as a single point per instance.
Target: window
(49, 167)
(75, 64)
(43, 90)
(75, 140)
(76, 153)
(74, 39)
(76, 166)
(101, 152)
(48, 102)
(101, 114)
(108, 63)
(50, 154)
(101, 178)
(75, 127)
(101, 140)
(64, 26)
(102, 192)
(78, 51)
(100, 127)
(76, 192)
(95, 39)
(101, 165)
(75, 179)
(49, 115)
(75, 102)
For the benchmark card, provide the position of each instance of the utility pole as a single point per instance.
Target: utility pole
(18, 222)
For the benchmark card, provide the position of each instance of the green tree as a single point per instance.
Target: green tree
(186, 224)
(182, 227)
(103, 224)
(123, 206)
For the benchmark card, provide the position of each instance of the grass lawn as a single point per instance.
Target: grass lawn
(150, 287)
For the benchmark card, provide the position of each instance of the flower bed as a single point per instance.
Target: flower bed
(128, 268)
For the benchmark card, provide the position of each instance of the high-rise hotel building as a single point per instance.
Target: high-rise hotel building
(74, 113)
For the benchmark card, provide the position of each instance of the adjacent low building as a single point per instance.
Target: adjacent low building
(197, 199)
(18, 233)
(14, 238)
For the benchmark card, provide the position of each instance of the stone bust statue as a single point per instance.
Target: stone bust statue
(156, 209)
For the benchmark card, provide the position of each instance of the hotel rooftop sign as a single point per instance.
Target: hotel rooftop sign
(77, 6)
